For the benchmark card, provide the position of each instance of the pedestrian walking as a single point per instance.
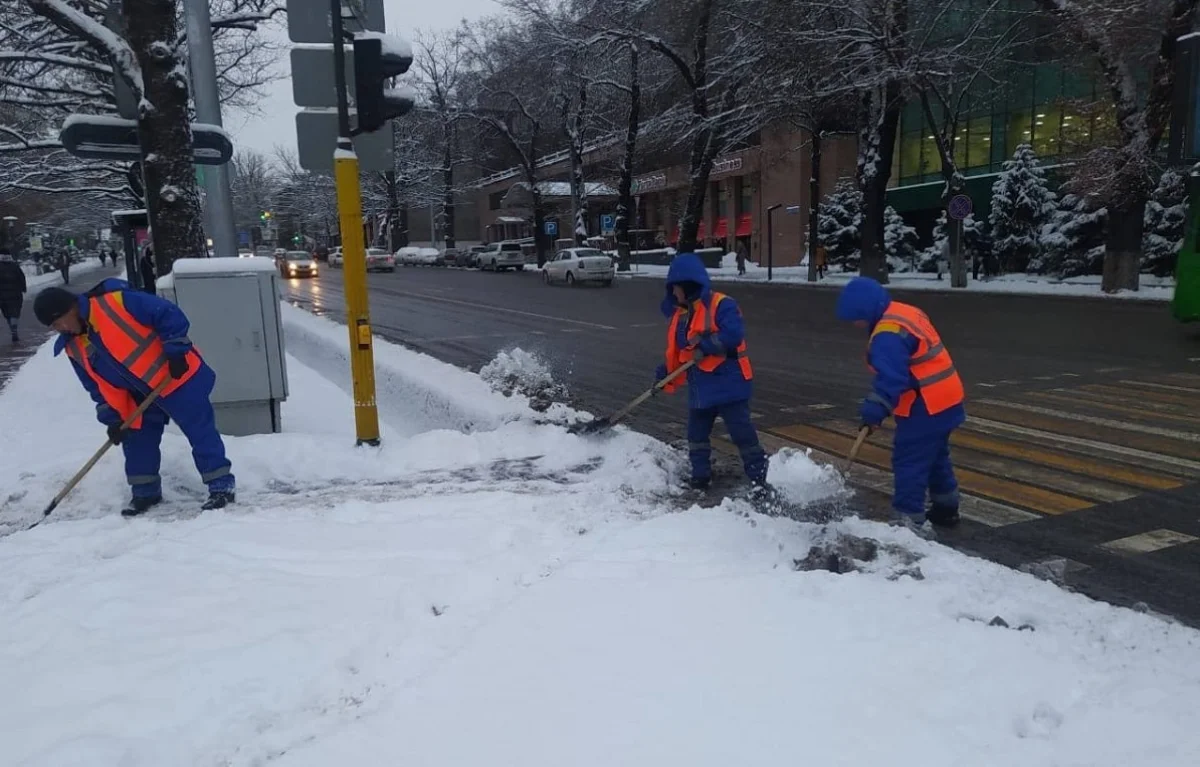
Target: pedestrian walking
(123, 344)
(741, 259)
(146, 267)
(64, 266)
(915, 381)
(707, 326)
(12, 292)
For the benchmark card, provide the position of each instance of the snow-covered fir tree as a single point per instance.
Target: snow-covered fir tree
(840, 227)
(1072, 242)
(900, 240)
(1022, 204)
(1166, 220)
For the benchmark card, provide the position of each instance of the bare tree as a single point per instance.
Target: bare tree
(441, 67)
(1125, 37)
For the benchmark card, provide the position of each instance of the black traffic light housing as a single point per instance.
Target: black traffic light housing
(377, 59)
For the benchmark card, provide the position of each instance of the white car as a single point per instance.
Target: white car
(414, 256)
(502, 255)
(580, 265)
(335, 258)
(379, 260)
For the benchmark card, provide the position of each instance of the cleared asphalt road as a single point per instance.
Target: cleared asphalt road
(1080, 459)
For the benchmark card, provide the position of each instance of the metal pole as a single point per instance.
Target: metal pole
(208, 110)
(354, 259)
(771, 241)
(814, 203)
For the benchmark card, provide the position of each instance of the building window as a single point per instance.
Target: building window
(722, 200)
(1020, 130)
(494, 200)
(1047, 131)
(910, 155)
(931, 161)
(745, 196)
(979, 142)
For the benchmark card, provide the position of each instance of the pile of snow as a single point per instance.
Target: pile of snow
(527, 375)
(521, 596)
(416, 392)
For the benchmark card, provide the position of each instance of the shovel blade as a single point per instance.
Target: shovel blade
(590, 427)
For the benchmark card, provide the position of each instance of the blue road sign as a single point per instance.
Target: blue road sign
(243, 238)
(959, 207)
(551, 228)
(608, 223)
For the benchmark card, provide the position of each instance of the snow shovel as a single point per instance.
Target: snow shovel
(79, 475)
(858, 443)
(603, 424)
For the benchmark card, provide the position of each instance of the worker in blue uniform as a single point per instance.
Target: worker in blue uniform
(706, 327)
(916, 382)
(124, 344)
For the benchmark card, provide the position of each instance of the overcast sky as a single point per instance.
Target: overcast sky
(276, 122)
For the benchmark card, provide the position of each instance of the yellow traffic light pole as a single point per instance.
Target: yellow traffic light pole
(354, 265)
(358, 314)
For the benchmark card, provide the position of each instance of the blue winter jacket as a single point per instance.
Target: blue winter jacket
(889, 353)
(725, 384)
(167, 319)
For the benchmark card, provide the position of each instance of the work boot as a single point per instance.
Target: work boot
(914, 522)
(943, 516)
(218, 499)
(140, 504)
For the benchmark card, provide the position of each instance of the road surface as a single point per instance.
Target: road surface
(1080, 458)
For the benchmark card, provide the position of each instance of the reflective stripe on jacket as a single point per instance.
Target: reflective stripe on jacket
(938, 383)
(703, 322)
(135, 346)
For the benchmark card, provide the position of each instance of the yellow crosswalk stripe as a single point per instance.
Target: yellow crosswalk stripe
(1186, 436)
(1127, 397)
(996, 488)
(1064, 399)
(1063, 423)
(1042, 468)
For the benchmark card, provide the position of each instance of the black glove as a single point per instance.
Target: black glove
(116, 433)
(178, 366)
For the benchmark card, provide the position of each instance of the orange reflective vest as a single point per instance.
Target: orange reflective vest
(135, 346)
(704, 320)
(938, 383)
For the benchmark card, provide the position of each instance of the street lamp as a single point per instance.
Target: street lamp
(771, 240)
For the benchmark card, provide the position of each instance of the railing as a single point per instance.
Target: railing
(545, 161)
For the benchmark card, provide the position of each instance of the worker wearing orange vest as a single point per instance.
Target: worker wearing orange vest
(707, 326)
(123, 344)
(915, 381)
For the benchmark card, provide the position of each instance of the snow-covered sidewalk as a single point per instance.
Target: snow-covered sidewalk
(514, 595)
(1152, 288)
(34, 283)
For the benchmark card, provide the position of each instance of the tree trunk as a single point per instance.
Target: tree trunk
(393, 210)
(814, 202)
(448, 222)
(874, 172)
(1123, 245)
(402, 227)
(703, 154)
(575, 136)
(165, 134)
(625, 202)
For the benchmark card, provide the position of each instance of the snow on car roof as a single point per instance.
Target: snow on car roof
(223, 265)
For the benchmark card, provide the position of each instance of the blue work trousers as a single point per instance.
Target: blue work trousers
(922, 465)
(736, 416)
(190, 408)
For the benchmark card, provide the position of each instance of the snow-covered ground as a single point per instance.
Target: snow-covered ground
(514, 595)
(1152, 288)
(35, 282)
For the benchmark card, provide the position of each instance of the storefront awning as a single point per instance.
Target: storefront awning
(701, 231)
(743, 226)
(722, 229)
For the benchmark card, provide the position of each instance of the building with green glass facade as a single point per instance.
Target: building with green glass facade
(1058, 108)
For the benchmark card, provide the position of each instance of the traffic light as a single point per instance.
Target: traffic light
(377, 59)
(297, 239)
(265, 216)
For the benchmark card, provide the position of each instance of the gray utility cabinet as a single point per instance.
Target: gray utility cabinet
(233, 305)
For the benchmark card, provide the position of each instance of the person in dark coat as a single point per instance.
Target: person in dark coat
(12, 292)
(146, 266)
(64, 266)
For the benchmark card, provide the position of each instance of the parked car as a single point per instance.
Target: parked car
(297, 263)
(379, 260)
(502, 255)
(575, 265)
(472, 257)
(335, 257)
(245, 254)
(416, 256)
(453, 257)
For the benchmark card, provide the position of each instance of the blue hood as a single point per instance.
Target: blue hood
(862, 299)
(685, 267)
